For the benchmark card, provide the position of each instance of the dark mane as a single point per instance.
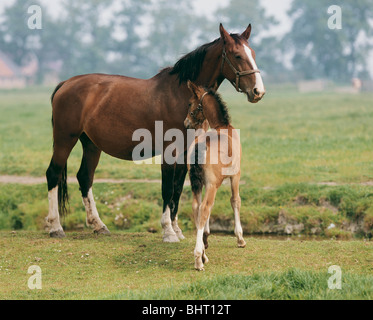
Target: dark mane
(223, 107)
(189, 66)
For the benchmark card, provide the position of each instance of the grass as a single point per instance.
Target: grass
(136, 207)
(292, 144)
(286, 138)
(140, 266)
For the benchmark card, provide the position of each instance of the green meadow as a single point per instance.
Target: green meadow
(307, 173)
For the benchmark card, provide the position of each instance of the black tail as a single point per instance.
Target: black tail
(63, 196)
(54, 93)
(56, 89)
(196, 173)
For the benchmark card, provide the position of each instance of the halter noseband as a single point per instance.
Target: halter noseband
(237, 73)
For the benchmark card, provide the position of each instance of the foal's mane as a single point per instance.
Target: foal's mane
(226, 119)
(189, 66)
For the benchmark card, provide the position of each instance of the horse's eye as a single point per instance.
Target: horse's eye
(238, 57)
(192, 113)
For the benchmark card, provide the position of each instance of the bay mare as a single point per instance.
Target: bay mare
(103, 112)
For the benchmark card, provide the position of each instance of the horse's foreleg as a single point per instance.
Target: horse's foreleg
(236, 206)
(91, 157)
(179, 178)
(168, 173)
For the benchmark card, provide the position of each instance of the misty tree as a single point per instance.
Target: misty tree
(321, 52)
(82, 39)
(16, 39)
(172, 31)
(130, 38)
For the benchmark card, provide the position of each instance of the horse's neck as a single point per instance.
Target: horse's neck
(209, 76)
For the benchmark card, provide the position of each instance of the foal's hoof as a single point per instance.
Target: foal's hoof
(171, 238)
(104, 230)
(57, 234)
(241, 244)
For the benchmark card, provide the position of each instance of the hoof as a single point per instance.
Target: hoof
(241, 244)
(171, 238)
(104, 230)
(180, 236)
(200, 268)
(57, 234)
(205, 259)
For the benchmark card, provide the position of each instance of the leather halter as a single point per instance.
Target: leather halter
(200, 109)
(237, 73)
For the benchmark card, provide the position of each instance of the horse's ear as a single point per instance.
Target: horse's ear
(192, 87)
(247, 32)
(225, 35)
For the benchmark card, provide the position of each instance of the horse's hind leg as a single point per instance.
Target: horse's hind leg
(236, 206)
(179, 179)
(56, 178)
(91, 157)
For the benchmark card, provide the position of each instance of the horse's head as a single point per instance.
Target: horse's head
(195, 118)
(239, 66)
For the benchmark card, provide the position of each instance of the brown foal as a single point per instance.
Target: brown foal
(219, 160)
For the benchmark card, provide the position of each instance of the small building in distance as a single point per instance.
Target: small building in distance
(13, 76)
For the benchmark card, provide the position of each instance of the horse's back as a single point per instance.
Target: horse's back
(108, 108)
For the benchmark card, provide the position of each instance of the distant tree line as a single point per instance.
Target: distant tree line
(138, 37)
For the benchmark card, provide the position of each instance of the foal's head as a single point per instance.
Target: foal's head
(205, 108)
(195, 118)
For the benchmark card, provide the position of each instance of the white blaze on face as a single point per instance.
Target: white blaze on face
(258, 78)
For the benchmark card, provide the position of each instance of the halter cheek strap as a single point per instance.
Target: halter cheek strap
(237, 73)
(201, 101)
(200, 109)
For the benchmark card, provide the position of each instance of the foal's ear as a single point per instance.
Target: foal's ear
(246, 34)
(225, 35)
(192, 87)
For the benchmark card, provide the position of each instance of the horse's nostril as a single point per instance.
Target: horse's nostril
(258, 93)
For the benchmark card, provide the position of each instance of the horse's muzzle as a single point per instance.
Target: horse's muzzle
(255, 95)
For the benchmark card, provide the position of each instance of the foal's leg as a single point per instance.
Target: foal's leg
(236, 206)
(61, 152)
(197, 200)
(203, 216)
(206, 233)
(91, 157)
(168, 172)
(179, 179)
